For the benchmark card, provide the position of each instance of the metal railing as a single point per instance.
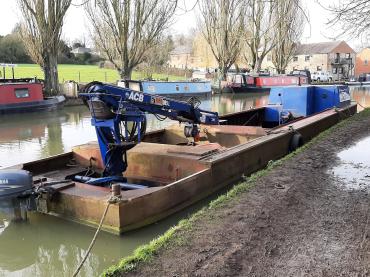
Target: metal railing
(341, 60)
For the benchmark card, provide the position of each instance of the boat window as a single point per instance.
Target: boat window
(22, 93)
(134, 86)
(151, 88)
(238, 79)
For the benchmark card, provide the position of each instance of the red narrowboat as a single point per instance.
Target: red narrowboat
(241, 82)
(26, 95)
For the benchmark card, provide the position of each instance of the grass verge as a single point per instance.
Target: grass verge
(81, 73)
(146, 252)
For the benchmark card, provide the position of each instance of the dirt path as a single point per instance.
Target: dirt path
(297, 221)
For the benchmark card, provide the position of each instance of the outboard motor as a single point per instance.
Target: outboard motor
(14, 181)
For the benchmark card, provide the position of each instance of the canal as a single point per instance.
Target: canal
(49, 246)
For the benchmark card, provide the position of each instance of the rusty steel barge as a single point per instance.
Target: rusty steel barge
(172, 174)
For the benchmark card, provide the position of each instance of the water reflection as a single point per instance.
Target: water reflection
(49, 246)
(353, 171)
(361, 95)
(45, 245)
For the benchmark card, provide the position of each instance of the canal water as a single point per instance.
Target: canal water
(353, 170)
(49, 246)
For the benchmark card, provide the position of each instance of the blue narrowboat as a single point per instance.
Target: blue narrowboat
(172, 89)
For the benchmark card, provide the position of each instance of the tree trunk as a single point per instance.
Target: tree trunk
(257, 66)
(125, 73)
(223, 72)
(50, 69)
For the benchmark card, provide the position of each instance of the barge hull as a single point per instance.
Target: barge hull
(35, 106)
(188, 175)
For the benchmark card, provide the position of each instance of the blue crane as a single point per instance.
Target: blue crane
(119, 117)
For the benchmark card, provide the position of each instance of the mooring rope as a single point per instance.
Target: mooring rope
(360, 105)
(111, 200)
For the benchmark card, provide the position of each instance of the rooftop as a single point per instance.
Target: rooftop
(321, 47)
(182, 49)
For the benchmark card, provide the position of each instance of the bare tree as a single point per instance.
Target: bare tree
(352, 16)
(41, 31)
(223, 25)
(156, 59)
(259, 34)
(124, 31)
(289, 18)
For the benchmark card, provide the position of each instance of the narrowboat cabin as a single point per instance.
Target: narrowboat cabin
(244, 83)
(170, 89)
(25, 95)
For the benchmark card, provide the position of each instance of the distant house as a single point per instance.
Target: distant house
(336, 57)
(362, 62)
(181, 57)
(81, 50)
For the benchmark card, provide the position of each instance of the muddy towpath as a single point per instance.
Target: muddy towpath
(308, 216)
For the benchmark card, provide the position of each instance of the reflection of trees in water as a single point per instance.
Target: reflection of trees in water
(63, 261)
(361, 95)
(228, 103)
(53, 143)
(48, 249)
(76, 114)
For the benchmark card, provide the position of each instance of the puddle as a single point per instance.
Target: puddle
(353, 172)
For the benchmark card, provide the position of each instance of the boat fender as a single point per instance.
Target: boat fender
(295, 142)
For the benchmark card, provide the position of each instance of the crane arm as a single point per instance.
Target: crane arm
(118, 115)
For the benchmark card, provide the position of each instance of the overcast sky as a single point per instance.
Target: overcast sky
(75, 26)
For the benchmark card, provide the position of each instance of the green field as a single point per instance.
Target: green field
(80, 73)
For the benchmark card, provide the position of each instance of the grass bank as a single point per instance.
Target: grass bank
(174, 235)
(80, 73)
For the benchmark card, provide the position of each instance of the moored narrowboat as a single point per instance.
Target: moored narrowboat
(244, 83)
(170, 89)
(26, 95)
